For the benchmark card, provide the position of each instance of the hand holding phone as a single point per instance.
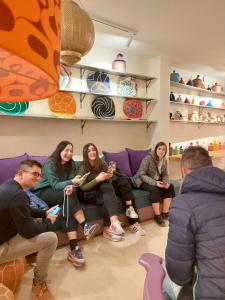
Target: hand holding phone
(111, 167)
(55, 211)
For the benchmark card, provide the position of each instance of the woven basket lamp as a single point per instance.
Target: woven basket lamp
(29, 49)
(77, 32)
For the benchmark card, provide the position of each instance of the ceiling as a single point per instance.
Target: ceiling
(191, 33)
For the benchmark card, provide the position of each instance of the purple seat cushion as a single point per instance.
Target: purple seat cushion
(121, 159)
(40, 159)
(135, 158)
(9, 165)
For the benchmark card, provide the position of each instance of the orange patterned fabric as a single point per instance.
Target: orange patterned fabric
(29, 49)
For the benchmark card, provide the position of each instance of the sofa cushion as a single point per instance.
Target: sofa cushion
(8, 166)
(41, 159)
(121, 159)
(135, 158)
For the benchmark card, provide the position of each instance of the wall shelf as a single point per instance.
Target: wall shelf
(198, 122)
(188, 87)
(213, 154)
(200, 106)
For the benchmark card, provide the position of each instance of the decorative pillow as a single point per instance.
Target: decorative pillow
(135, 158)
(121, 159)
(40, 159)
(8, 166)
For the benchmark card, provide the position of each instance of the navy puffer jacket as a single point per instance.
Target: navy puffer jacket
(197, 233)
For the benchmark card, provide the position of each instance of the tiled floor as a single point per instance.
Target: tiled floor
(112, 271)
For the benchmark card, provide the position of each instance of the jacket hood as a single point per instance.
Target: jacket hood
(206, 179)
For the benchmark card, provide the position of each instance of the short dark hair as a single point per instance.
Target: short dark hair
(195, 157)
(28, 163)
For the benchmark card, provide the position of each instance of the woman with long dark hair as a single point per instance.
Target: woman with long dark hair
(99, 190)
(152, 176)
(57, 187)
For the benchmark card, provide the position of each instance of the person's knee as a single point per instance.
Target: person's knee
(106, 187)
(48, 239)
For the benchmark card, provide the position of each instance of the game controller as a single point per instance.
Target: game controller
(55, 211)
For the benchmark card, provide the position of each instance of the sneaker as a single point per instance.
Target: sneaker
(159, 220)
(165, 215)
(90, 230)
(136, 228)
(116, 228)
(41, 292)
(131, 213)
(76, 257)
(112, 237)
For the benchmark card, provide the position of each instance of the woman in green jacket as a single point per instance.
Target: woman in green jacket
(58, 177)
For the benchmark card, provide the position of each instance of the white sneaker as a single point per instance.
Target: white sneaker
(136, 228)
(130, 212)
(116, 228)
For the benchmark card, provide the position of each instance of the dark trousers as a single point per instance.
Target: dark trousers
(123, 189)
(52, 197)
(157, 194)
(104, 196)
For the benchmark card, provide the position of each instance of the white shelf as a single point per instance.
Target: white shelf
(109, 95)
(200, 106)
(112, 72)
(213, 154)
(188, 87)
(198, 122)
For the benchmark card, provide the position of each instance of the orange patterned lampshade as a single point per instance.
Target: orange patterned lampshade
(29, 49)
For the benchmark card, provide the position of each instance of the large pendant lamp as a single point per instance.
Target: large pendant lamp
(29, 49)
(77, 32)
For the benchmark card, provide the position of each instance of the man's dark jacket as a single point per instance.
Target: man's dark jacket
(16, 216)
(197, 233)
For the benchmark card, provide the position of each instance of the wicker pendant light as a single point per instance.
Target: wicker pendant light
(77, 32)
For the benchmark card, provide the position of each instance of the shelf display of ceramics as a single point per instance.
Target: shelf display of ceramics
(198, 82)
(132, 108)
(179, 99)
(98, 82)
(13, 108)
(189, 82)
(127, 87)
(174, 76)
(119, 64)
(193, 117)
(209, 103)
(62, 105)
(178, 115)
(216, 88)
(187, 101)
(103, 107)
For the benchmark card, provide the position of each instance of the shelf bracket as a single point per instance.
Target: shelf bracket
(82, 97)
(148, 124)
(82, 124)
(147, 103)
(82, 71)
(147, 83)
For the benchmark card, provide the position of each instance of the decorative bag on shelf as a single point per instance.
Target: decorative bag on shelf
(103, 107)
(127, 87)
(132, 108)
(98, 82)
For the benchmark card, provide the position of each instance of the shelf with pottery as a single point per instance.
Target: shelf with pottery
(196, 105)
(193, 88)
(84, 68)
(83, 94)
(197, 122)
(213, 154)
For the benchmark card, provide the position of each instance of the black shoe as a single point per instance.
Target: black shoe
(159, 220)
(165, 215)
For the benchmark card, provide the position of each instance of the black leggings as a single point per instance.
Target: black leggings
(103, 195)
(157, 194)
(123, 189)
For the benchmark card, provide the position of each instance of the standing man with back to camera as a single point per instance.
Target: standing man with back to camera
(19, 234)
(195, 253)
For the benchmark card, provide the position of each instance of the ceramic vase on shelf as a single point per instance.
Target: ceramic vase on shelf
(197, 82)
(172, 96)
(174, 76)
(119, 64)
(181, 81)
(216, 88)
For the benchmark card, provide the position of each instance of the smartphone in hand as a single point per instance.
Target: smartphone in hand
(111, 166)
(85, 175)
(55, 211)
